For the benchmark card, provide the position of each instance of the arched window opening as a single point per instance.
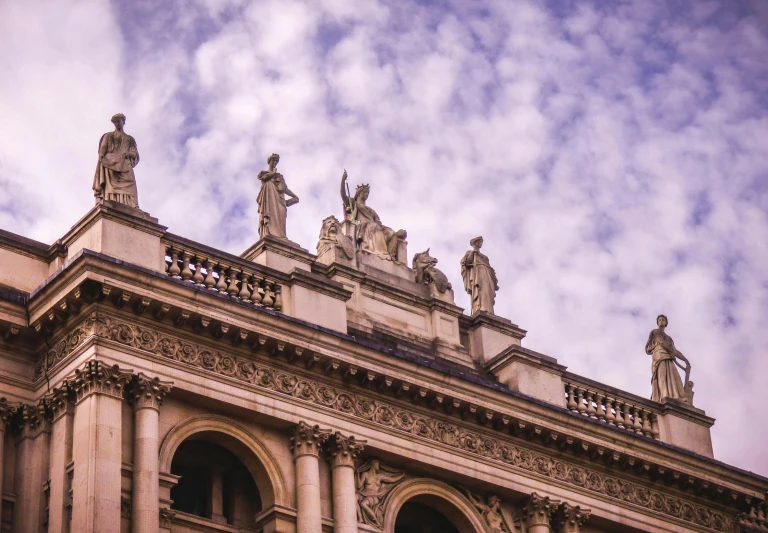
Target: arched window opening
(416, 517)
(214, 484)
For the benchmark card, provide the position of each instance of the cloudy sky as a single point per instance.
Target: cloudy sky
(614, 155)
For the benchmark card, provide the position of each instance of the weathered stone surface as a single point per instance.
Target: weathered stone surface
(479, 278)
(114, 180)
(665, 380)
(273, 207)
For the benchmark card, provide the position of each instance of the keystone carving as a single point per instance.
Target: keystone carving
(97, 378)
(308, 440)
(343, 451)
(148, 392)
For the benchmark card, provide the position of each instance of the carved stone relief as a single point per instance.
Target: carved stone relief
(374, 481)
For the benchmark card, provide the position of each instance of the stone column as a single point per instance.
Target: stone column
(147, 395)
(306, 442)
(97, 447)
(538, 513)
(217, 496)
(343, 452)
(569, 518)
(32, 454)
(63, 410)
(7, 410)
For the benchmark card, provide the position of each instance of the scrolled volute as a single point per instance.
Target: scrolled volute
(308, 440)
(343, 451)
(147, 392)
(97, 377)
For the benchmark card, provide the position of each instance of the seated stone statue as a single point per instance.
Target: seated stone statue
(426, 272)
(371, 236)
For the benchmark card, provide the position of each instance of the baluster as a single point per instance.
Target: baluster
(209, 281)
(580, 401)
(174, 269)
(198, 277)
(268, 299)
(654, 426)
(256, 294)
(244, 293)
(232, 275)
(221, 285)
(637, 426)
(591, 412)
(186, 273)
(647, 423)
(571, 400)
(609, 416)
(627, 416)
(601, 406)
(278, 298)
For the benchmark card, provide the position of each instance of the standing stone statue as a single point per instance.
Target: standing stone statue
(479, 278)
(273, 207)
(666, 382)
(371, 235)
(114, 180)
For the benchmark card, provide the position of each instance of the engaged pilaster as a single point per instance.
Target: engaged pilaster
(32, 454)
(97, 447)
(343, 452)
(538, 513)
(306, 443)
(570, 518)
(61, 404)
(7, 410)
(147, 395)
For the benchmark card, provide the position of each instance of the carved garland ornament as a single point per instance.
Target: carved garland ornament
(390, 416)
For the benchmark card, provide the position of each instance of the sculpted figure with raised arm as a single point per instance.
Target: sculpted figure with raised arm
(374, 481)
(665, 381)
(479, 278)
(114, 180)
(273, 207)
(371, 236)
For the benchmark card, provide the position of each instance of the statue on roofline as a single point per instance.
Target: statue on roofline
(118, 154)
(479, 278)
(665, 380)
(273, 207)
(371, 236)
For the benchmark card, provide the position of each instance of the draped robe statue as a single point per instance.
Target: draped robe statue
(371, 235)
(665, 381)
(479, 278)
(273, 207)
(114, 180)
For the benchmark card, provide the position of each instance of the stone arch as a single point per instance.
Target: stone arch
(226, 432)
(442, 497)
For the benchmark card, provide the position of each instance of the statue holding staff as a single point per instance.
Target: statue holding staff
(665, 380)
(479, 278)
(114, 180)
(371, 235)
(273, 207)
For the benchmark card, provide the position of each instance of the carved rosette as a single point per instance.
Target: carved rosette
(570, 518)
(538, 511)
(308, 440)
(98, 378)
(343, 451)
(7, 410)
(148, 392)
(166, 517)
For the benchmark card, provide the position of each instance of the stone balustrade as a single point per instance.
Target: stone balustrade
(238, 278)
(610, 408)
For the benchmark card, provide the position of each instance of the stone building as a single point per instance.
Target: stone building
(152, 383)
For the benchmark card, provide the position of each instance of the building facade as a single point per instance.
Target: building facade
(152, 383)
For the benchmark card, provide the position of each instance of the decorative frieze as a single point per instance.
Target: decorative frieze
(392, 416)
(308, 440)
(146, 392)
(570, 518)
(98, 378)
(343, 451)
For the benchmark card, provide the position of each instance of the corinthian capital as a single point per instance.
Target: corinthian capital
(307, 440)
(31, 420)
(538, 510)
(570, 518)
(59, 401)
(148, 392)
(7, 410)
(98, 378)
(343, 451)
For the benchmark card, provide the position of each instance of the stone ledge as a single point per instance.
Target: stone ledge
(687, 411)
(318, 283)
(130, 216)
(284, 247)
(500, 324)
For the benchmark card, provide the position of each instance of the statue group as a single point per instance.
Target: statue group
(115, 181)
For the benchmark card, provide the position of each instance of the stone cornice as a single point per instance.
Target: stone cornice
(95, 377)
(307, 439)
(343, 451)
(116, 212)
(397, 418)
(146, 392)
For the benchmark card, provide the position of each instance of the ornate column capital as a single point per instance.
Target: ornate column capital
(31, 420)
(98, 378)
(308, 440)
(166, 517)
(538, 510)
(7, 410)
(570, 518)
(343, 451)
(60, 401)
(148, 392)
